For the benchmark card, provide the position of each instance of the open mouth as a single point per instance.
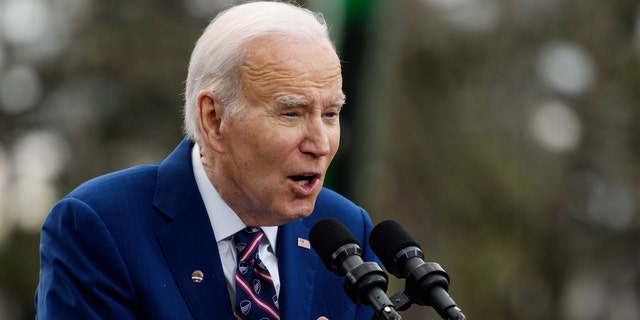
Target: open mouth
(304, 179)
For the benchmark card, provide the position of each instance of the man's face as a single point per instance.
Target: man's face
(277, 150)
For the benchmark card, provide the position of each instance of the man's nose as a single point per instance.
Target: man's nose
(317, 139)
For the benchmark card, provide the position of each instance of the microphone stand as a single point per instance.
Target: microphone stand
(402, 302)
(428, 277)
(366, 285)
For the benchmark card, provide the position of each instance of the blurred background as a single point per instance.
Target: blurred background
(503, 134)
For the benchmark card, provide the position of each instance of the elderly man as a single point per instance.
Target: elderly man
(166, 241)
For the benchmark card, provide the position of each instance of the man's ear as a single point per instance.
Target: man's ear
(210, 112)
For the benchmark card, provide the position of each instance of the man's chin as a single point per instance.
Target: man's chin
(296, 214)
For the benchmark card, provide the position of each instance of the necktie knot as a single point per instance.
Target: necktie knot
(247, 242)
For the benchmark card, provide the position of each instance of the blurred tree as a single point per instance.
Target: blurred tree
(113, 96)
(498, 132)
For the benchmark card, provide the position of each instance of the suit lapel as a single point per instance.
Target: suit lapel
(187, 240)
(189, 246)
(297, 267)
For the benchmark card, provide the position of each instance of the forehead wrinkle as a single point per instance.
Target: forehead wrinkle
(273, 72)
(291, 81)
(265, 71)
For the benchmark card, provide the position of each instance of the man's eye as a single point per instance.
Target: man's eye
(331, 114)
(290, 114)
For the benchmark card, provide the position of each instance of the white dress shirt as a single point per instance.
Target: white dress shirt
(225, 223)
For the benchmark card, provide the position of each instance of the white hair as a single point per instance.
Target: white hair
(219, 53)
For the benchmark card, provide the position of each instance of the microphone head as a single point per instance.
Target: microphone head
(387, 239)
(327, 236)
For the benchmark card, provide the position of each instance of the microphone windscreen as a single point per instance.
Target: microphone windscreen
(387, 239)
(327, 235)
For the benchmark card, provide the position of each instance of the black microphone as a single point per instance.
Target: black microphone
(426, 282)
(365, 282)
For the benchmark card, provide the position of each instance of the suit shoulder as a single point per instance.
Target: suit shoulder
(117, 184)
(331, 200)
(331, 204)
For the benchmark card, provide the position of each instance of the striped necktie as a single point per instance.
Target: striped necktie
(256, 297)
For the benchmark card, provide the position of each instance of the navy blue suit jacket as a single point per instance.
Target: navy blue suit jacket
(124, 246)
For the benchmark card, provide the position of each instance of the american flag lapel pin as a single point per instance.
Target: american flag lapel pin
(304, 243)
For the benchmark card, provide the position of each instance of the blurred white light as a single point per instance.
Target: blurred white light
(33, 200)
(39, 30)
(38, 157)
(468, 15)
(55, 41)
(556, 127)
(566, 68)
(585, 297)
(64, 17)
(24, 21)
(20, 89)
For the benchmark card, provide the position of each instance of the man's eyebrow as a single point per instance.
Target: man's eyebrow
(290, 101)
(339, 101)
